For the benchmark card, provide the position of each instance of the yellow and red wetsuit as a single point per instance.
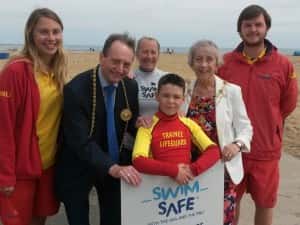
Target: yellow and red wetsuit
(168, 142)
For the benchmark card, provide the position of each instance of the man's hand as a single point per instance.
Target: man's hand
(127, 173)
(184, 174)
(7, 190)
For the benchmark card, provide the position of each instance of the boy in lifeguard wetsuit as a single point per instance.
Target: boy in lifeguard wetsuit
(165, 148)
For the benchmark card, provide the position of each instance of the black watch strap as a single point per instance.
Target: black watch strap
(239, 144)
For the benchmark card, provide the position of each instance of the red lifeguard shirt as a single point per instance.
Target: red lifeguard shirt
(159, 149)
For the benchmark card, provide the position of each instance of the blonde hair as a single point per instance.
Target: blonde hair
(58, 64)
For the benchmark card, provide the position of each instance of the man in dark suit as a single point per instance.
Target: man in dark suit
(97, 127)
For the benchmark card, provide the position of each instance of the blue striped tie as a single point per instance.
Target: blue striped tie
(112, 140)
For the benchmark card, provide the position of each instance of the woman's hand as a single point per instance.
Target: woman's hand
(229, 151)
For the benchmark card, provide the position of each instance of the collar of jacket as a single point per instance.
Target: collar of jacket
(270, 48)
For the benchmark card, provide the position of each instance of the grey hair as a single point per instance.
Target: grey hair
(148, 39)
(204, 44)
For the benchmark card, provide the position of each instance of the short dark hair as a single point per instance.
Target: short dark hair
(148, 39)
(251, 12)
(123, 38)
(171, 78)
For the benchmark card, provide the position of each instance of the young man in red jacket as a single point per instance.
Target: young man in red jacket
(269, 88)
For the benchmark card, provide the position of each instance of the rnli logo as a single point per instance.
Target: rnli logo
(4, 94)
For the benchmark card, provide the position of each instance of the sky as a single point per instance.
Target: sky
(177, 23)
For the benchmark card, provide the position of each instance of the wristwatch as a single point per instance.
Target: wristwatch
(239, 144)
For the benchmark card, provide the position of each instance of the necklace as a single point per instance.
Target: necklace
(197, 92)
(207, 90)
(125, 115)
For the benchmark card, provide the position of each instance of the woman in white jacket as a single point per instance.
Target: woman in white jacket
(218, 107)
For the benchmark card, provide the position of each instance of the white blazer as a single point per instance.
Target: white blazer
(231, 120)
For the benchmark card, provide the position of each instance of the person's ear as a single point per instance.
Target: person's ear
(101, 57)
(156, 95)
(183, 97)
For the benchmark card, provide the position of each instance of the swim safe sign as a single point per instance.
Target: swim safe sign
(159, 200)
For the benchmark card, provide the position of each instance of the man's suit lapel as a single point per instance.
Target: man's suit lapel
(100, 105)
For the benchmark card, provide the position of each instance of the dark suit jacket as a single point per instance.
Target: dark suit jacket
(81, 158)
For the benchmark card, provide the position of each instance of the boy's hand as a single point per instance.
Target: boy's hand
(184, 174)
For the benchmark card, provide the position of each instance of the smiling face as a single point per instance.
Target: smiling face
(47, 37)
(170, 98)
(115, 65)
(204, 61)
(254, 31)
(147, 55)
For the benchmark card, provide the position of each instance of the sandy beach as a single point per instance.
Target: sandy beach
(177, 63)
(288, 211)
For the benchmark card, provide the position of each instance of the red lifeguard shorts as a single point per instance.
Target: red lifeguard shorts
(261, 180)
(35, 198)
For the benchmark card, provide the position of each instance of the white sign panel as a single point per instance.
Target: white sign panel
(159, 200)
